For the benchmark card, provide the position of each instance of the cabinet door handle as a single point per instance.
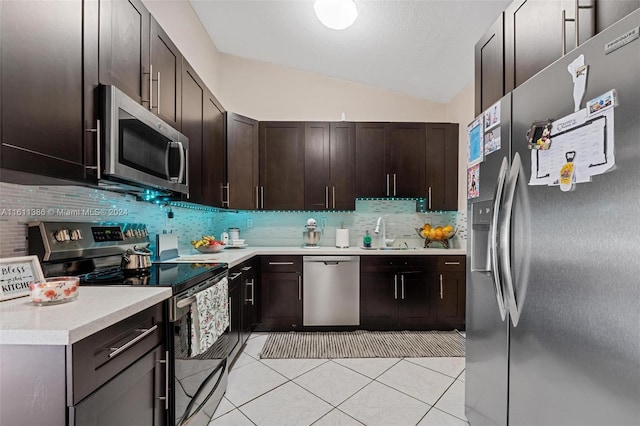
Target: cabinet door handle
(429, 198)
(387, 184)
(395, 287)
(441, 289)
(280, 263)
(117, 351)
(451, 263)
(158, 92)
(246, 268)
(394, 184)
(165, 398)
(326, 197)
(150, 100)
(402, 283)
(224, 188)
(257, 199)
(299, 287)
(98, 166)
(251, 283)
(262, 197)
(334, 197)
(234, 276)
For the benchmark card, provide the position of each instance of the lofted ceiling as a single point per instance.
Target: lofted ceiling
(424, 48)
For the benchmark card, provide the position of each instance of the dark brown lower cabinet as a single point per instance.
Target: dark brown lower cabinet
(128, 399)
(235, 341)
(243, 297)
(451, 299)
(281, 292)
(451, 292)
(412, 293)
(416, 293)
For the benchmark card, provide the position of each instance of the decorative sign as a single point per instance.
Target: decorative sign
(15, 275)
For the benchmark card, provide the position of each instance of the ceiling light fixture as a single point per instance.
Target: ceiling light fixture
(336, 14)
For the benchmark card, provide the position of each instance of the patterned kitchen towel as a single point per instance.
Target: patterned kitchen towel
(210, 316)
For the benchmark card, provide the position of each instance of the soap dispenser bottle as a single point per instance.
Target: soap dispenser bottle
(367, 239)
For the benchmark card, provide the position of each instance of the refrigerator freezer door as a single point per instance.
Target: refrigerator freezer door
(487, 343)
(575, 353)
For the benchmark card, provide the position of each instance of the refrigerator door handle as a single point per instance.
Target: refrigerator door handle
(505, 238)
(493, 235)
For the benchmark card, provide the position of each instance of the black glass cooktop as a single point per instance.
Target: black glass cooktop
(179, 276)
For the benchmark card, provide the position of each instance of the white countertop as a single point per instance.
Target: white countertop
(96, 308)
(23, 323)
(235, 256)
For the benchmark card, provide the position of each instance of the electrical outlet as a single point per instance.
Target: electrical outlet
(249, 223)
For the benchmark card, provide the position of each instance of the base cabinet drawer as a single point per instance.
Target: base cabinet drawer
(131, 398)
(101, 356)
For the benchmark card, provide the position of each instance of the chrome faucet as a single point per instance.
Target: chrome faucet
(382, 240)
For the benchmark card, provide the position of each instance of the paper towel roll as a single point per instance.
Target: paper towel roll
(342, 238)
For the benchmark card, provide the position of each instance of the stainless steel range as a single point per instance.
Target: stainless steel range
(94, 252)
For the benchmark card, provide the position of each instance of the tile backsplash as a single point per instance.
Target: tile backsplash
(270, 228)
(20, 204)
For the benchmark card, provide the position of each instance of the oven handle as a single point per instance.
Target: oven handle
(185, 302)
(175, 303)
(185, 419)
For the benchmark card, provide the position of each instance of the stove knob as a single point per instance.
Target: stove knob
(76, 235)
(61, 235)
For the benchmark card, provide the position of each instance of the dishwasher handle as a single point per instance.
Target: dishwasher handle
(330, 260)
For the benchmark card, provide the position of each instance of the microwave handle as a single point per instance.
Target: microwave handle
(182, 161)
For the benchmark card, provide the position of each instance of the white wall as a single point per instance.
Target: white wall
(184, 28)
(461, 110)
(267, 91)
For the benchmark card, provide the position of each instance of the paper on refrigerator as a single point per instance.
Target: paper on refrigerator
(592, 140)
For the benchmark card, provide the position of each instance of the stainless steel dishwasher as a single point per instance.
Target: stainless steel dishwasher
(331, 293)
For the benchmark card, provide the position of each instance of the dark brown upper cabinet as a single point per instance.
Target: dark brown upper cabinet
(405, 152)
(329, 171)
(489, 66)
(535, 35)
(124, 47)
(442, 166)
(165, 74)
(390, 159)
(42, 108)
(193, 105)
(243, 167)
(214, 163)
(371, 168)
(281, 165)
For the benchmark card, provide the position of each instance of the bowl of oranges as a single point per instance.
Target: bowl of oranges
(440, 234)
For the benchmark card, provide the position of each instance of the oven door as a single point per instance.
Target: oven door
(199, 381)
(141, 148)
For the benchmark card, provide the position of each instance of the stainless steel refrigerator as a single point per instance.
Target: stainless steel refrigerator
(553, 276)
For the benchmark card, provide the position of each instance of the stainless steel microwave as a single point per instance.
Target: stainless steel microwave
(140, 150)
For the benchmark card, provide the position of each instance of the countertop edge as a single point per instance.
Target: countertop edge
(74, 330)
(237, 256)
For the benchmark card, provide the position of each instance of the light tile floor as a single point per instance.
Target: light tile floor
(331, 392)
